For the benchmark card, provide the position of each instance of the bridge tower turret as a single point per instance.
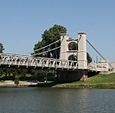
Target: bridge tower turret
(64, 47)
(81, 54)
(82, 51)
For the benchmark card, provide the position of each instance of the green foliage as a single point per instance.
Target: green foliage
(73, 46)
(1, 48)
(41, 74)
(38, 45)
(89, 59)
(16, 81)
(98, 81)
(50, 36)
(72, 57)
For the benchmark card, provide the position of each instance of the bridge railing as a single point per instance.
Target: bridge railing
(42, 62)
(30, 61)
(100, 66)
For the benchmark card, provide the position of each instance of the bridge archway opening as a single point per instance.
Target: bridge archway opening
(72, 46)
(72, 57)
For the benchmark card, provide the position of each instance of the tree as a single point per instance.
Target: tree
(1, 48)
(53, 34)
(89, 59)
(48, 37)
(73, 46)
(72, 57)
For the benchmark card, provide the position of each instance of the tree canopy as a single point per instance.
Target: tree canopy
(89, 59)
(73, 46)
(49, 36)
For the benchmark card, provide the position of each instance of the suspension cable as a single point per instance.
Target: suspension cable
(47, 46)
(47, 51)
(99, 53)
(96, 50)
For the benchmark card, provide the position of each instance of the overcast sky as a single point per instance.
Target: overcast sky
(23, 21)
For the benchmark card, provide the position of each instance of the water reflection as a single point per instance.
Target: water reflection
(36, 100)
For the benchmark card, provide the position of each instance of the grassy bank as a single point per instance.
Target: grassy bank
(98, 81)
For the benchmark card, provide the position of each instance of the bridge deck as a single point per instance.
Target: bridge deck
(10, 60)
(29, 61)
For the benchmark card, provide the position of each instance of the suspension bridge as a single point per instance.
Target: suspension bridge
(62, 64)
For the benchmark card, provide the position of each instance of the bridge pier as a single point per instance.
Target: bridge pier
(71, 75)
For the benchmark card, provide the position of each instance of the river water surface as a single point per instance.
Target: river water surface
(47, 100)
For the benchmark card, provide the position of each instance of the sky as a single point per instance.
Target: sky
(23, 21)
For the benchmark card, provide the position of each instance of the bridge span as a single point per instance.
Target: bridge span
(63, 64)
(25, 61)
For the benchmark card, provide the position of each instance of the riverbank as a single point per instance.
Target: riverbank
(98, 81)
(10, 83)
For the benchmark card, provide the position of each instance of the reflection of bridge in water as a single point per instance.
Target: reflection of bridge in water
(63, 65)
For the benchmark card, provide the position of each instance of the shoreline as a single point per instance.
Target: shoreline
(85, 86)
(101, 86)
(100, 81)
(11, 83)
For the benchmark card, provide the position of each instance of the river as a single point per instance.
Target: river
(48, 100)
